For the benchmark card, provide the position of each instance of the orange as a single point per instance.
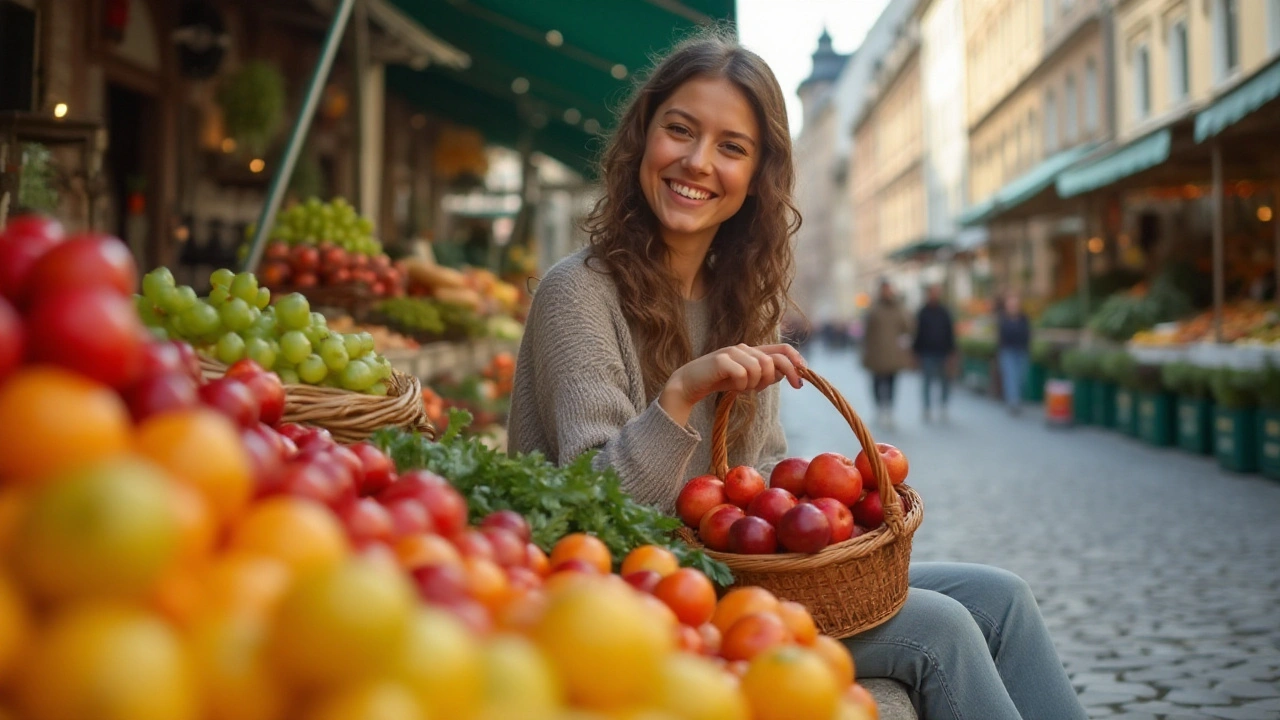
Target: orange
(688, 593)
(858, 704)
(790, 682)
(752, 635)
(650, 557)
(742, 601)
(341, 624)
(53, 420)
(694, 688)
(442, 663)
(581, 546)
(229, 655)
(416, 551)
(538, 561)
(103, 529)
(13, 505)
(15, 626)
(518, 680)
(201, 448)
(521, 611)
(179, 594)
(486, 582)
(602, 642)
(302, 533)
(245, 584)
(798, 621)
(368, 701)
(837, 657)
(197, 526)
(107, 662)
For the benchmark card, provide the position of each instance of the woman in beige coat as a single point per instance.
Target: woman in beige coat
(886, 343)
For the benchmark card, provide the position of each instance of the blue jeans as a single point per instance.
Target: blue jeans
(934, 369)
(971, 645)
(1014, 365)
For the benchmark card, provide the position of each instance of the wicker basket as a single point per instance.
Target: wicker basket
(349, 416)
(848, 587)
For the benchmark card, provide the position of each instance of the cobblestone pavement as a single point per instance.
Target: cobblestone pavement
(1157, 572)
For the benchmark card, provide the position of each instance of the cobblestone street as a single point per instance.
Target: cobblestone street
(1158, 573)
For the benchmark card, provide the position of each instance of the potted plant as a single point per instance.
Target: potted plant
(1268, 421)
(1044, 358)
(1154, 406)
(1122, 370)
(1080, 365)
(1194, 401)
(1235, 437)
(253, 103)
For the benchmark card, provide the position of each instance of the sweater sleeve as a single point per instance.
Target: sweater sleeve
(774, 449)
(581, 385)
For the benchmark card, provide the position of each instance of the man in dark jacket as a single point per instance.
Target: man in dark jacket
(934, 344)
(1013, 350)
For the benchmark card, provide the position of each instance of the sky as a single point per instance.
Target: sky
(785, 33)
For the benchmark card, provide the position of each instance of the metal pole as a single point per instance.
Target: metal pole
(1082, 261)
(360, 63)
(275, 192)
(1218, 240)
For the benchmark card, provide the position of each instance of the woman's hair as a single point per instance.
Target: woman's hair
(749, 265)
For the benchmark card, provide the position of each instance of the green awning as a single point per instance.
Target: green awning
(559, 66)
(1252, 94)
(1129, 159)
(978, 213)
(923, 246)
(1037, 179)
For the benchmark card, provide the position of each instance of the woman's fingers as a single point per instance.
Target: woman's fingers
(787, 369)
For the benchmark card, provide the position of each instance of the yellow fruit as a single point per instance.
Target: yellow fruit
(693, 688)
(591, 626)
(105, 529)
(518, 681)
(15, 626)
(245, 584)
(53, 420)
(788, 682)
(302, 533)
(442, 663)
(201, 448)
(107, 662)
(370, 701)
(342, 624)
(229, 656)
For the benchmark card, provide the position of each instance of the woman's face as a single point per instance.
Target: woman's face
(700, 156)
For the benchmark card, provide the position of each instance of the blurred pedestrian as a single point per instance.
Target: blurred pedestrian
(885, 343)
(1014, 350)
(934, 347)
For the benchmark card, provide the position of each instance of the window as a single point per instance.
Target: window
(1071, 105)
(1226, 40)
(1179, 70)
(1050, 122)
(1273, 23)
(1141, 82)
(1090, 96)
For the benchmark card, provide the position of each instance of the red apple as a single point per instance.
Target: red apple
(869, 512)
(894, 461)
(312, 438)
(367, 521)
(30, 223)
(82, 262)
(19, 252)
(274, 273)
(154, 394)
(643, 580)
(789, 475)
(577, 565)
(301, 478)
(511, 521)
(266, 456)
(336, 276)
(265, 386)
(771, 504)
(697, 497)
(160, 357)
(441, 584)
(293, 431)
(409, 517)
(12, 340)
(859, 530)
(306, 259)
(475, 616)
(838, 516)
(378, 472)
(743, 483)
(752, 536)
(332, 257)
(233, 398)
(714, 528)
(276, 251)
(94, 331)
(508, 549)
(305, 280)
(473, 544)
(804, 529)
(190, 361)
(833, 475)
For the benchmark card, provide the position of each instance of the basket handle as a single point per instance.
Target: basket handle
(893, 512)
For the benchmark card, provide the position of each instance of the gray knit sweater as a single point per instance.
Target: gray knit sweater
(579, 386)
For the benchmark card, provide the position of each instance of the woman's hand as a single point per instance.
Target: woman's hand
(740, 368)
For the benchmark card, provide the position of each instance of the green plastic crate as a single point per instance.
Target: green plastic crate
(1235, 438)
(1156, 418)
(1082, 400)
(1126, 412)
(1033, 387)
(1269, 443)
(1195, 425)
(1104, 404)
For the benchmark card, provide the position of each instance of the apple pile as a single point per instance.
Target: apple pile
(807, 505)
(304, 266)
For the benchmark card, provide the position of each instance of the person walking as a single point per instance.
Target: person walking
(934, 346)
(886, 340)
(1014, 350)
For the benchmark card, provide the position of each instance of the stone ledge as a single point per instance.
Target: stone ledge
(892, 697)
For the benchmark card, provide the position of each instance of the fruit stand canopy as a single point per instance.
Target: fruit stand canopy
(1251, 95)
(1129, 159)
(560, 67)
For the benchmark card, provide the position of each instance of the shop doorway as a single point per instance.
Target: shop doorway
(130, 163)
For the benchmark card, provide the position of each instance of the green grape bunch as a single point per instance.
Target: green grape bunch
(314, 221)
(238, 320)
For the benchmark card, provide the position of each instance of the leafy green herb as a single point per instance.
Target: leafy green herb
(555, 500)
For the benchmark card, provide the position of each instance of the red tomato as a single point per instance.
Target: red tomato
(85, 261)
(11, 339)
(18, 253)
(35, 224)
(93, 331)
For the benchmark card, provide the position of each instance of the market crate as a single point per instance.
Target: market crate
(1126, 419)
(1156, 418)
(1033, 388)
(1104, 404)
(1269, 442)
(977, 373)
(1082, 400)
(1195, 425)
(1235, 438)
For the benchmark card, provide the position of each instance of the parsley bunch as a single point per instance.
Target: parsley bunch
(555, 500)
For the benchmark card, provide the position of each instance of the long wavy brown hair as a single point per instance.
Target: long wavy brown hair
(750, 263)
